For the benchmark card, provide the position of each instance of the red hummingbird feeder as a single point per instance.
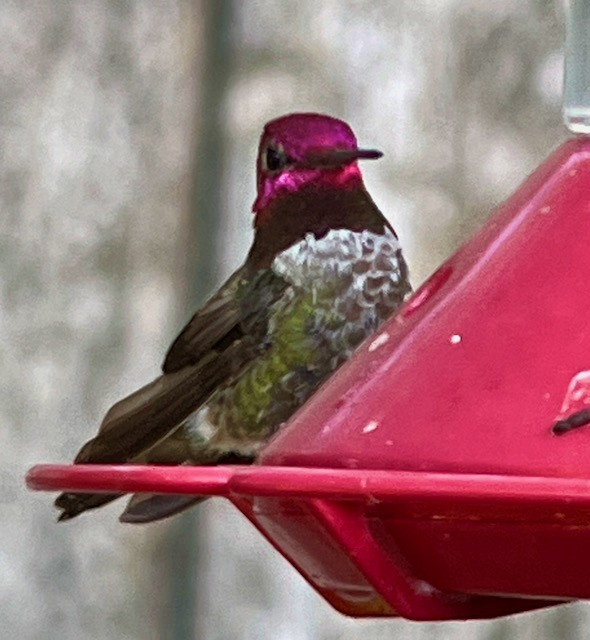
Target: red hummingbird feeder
(428, 477)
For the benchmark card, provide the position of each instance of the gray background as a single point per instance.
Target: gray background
(128, 137)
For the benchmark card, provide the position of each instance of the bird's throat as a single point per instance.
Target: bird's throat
(312, 209)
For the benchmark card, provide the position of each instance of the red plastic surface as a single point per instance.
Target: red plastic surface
(426, 480)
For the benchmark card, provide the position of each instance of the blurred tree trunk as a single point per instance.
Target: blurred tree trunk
(203, 247)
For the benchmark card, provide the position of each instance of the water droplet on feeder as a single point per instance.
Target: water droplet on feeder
(370, 426)
(379, 341)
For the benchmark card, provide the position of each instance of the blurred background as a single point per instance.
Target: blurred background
(128, 141)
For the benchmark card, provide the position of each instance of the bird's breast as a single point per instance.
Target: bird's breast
(356, 279)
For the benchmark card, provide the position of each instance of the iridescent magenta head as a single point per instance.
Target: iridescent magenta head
(306, 148)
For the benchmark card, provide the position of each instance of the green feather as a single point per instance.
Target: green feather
(249, 401)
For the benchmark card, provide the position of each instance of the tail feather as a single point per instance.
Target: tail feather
(171, 450)
(149, 507)
(72, 504)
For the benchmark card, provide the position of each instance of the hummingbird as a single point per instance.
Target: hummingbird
(324, 270)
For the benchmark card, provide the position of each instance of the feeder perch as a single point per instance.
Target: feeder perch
(426, 479)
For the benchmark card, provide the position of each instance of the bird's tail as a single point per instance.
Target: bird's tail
(149, 507)
(173, 450)
(143, 508)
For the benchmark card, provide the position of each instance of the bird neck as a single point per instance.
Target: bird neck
(311, 209)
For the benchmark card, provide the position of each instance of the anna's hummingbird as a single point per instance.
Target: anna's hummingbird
(324, 270)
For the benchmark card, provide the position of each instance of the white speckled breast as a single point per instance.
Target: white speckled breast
(357, 279)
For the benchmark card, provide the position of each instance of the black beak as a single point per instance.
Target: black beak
(337, 157)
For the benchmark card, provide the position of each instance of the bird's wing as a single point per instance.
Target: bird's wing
(218, 342)
(142, 419)
(215, 324)
(215, 347)
(240, 308)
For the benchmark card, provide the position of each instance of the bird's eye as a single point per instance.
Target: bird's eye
(275, 159)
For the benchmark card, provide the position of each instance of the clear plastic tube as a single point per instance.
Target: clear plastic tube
(576, 93)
